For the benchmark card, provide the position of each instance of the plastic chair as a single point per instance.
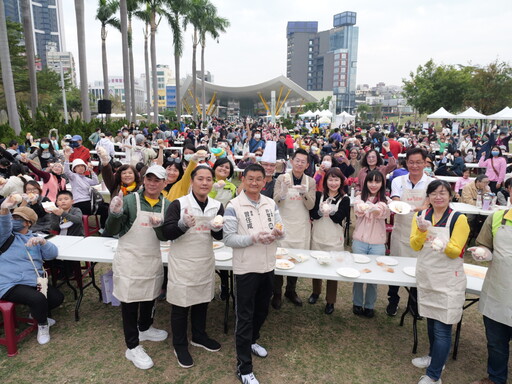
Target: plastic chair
(9, 323)
(90, 229)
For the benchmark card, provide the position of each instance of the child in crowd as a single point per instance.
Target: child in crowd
(369, 237)
(462, 182)
(66, 219)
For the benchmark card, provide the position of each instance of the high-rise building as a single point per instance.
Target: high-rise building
(56, 59)
(116, 90)
(165, 82)
(47, 23)
(326, 60)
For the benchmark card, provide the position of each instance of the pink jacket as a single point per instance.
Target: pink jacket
(498, 163)
(370, 228)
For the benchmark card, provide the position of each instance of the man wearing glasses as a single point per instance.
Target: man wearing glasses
(411, 189)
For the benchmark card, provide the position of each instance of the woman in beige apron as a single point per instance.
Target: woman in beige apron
(332, 207)
(440, 277)
(191, 277)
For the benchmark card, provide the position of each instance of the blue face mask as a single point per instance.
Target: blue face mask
(495, 153)
(428, 170)
(18, 225)
(45, 146)
(74, 144)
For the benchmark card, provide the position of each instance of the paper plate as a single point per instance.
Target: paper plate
(387, 260)
(284, 264)
(400, 207)
(281, 251)
(361, 259)
(348, 272)
(410, 271)
(315, 254)
(217, 244)
(223, 256)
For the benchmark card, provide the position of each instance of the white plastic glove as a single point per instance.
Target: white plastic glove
(302, 189)
(11, 201)
(155, 221)
(423, 224)
(438, 244)
(36, 240)
(277, 233)
(188, 219)
(218, 186)
(480, 253)
(32, 198)
(216, 225)
(104, 157)
(116, 204)
(262, 238)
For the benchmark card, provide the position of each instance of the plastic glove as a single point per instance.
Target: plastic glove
(116, 205)
(423, 224)
(217, 223)
(11, 201)
(262, 238)
(480, 253)
(218, 186)
(30, 198)
(104, 157)
(302, 189)
(36, 240)
(438, 244)
(188, 220)
(155, 221)
(277, 233)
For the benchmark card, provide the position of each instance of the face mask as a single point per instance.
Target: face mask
(428, 170)
(468, 139)
(188, 156)
(281, 140)
(314, 149)
(257, 136)
(45, 146)
(74, 144)
(125, 134)
(18, 225)
(495, 153)
(327, 164)
(258, 158)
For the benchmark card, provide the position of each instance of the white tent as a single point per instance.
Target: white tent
(504, 114)
(344, 118)
(470, 113)
(317, 113)
(324, 120)
(307, 114)
(441, 113)
(326, 113)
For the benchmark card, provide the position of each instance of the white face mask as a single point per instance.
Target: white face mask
(327, 164)
(125, 134)
(314, 149)
(257, 136)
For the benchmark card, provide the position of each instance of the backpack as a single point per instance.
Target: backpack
(96, 200)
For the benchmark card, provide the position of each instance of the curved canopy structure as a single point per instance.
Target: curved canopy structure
(441, 113)
(470, 113)
(247, 100)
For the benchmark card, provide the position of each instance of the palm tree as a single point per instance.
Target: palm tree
(213, 25)
(144, 14)
(132, 6)
(30, 53)
(106, 16)
(82, 60)
(126, 63)
(7, 79)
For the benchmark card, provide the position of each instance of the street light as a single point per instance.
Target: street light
(63, 87)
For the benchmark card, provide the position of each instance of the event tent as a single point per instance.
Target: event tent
(470, 113)
(326, 113)
(317, 112)
(504, 114)
(344, 118)
(441, 113)
(307, 114)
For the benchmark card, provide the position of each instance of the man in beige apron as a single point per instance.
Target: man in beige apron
(410, 188)
(190, 226)
(495, 243)
(295, 195)
(138, 269)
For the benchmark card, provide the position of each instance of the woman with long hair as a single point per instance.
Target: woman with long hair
(495, 168)
(45, 153)
(373, 161)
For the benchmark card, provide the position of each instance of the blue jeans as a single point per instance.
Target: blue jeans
(370, 296)
(440, 338)
(498, 340)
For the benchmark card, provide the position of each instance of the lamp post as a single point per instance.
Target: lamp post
(63, 86)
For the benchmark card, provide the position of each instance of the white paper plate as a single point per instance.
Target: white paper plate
(400, 207)
(223, 256)
(361, 259)
(410, 271)
(281, 251)
(348, 272)
(315, 254)
(387, 260)
(217, 244)
(284, 264)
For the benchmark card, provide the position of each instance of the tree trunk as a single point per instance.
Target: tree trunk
(203, 91)
(153, 68)
(178, 87)
(126, 62)
(30, 52)
(7, 79)
(132, 70)
(148, 75)
(82, 60)
(194, 74)
(104, 61)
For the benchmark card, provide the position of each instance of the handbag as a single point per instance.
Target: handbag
(96, 200)
(42, 281)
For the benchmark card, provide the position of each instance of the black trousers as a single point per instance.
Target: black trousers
(291, 284)
(38, 304)
(85, 207)
(179, 320)
(394, 298)
(252, 298)
(137, 316)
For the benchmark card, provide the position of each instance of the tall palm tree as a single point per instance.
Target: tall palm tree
(144, 14)
(7, 79)
(156, 8)
(82, 60)
(212, 26)
(175, 17)
(106, 16)
(126, 63)
(132, 6)
(30, 53)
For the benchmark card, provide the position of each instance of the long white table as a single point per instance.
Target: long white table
(451, 179)
(473, 210)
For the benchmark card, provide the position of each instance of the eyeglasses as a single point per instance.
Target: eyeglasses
(418, 163)
(439, 194)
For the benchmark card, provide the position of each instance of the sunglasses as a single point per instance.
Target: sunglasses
(173, 160)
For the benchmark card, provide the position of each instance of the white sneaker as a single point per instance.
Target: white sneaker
(50, 321)
(139, 357)
(427, 380)
(153, 334)
(248, 379)
(421, 362)
(258, 350)
(43, 334)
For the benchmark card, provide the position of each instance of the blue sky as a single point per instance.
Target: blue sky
(395, 36)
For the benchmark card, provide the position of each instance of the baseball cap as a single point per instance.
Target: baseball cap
(76, 138)
(158, 171)
(26, 213)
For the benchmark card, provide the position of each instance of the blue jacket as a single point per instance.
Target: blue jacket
(15, 265)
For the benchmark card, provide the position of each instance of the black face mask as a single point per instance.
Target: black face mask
(74, 144)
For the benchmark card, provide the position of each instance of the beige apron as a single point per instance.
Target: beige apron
(326, 235)
(496, 297)
(137, 266)
(400, 237)
(295, 219)
(192, 261)
(441, 280)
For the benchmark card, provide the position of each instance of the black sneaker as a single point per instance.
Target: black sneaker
(208, 344)
(392, 309)
(369, 313)
(184, 357)
(357, 310)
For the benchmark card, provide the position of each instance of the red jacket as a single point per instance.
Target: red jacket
(80, 153)
(395, 147)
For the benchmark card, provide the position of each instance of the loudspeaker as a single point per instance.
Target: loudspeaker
(105, 106)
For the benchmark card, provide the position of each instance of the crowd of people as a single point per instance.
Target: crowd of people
(296, 190)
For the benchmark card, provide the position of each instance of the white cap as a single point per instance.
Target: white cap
(77, 162)
(269, 155)
(158, 171)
